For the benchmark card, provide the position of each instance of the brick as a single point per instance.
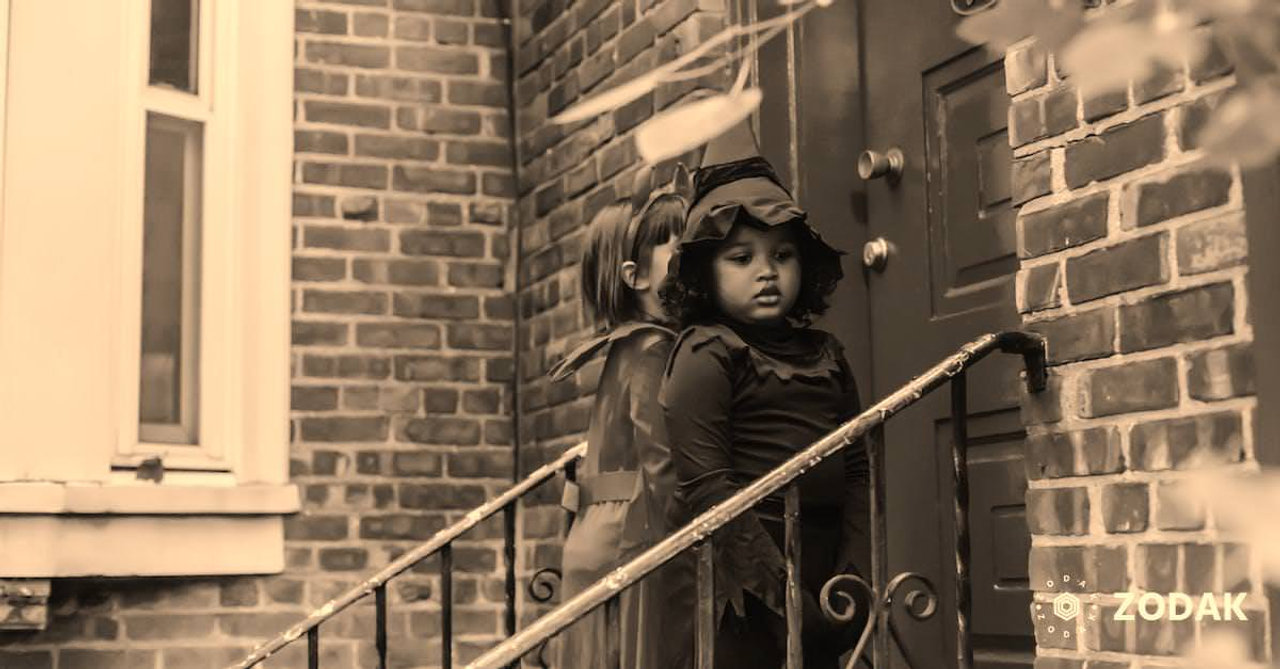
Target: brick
(476, 275)
(343, 559)
(444, 431)
(1081, 336)
(166, 626)
(434, 7)
(1125, 507)
(1058, 511)
(360, 398)
(435, 306)
(436, 368)
(1046, 662)
(1060, 110)
(320, 21)
(1193, 118)
(487, 154)
(1047, 564)
(480, 336)
(315, 528)
(1042, 407)
(1221, 373)
(1212, 64)
(311, 333)
(1025, 68)
(1211, 245)
(398, 335)
(18, 659)
(1236, 568)
(440, 496)
(1104, 633)
(1081, 453)
(1101, 105)
(343, 302)
(399, 88)
(319, 141)
(313, 398)
(368, 24)
(1116, 269)
(1130, 387)
(444, 214)
(415, 272)
(1040, 287)
(1118, 150)
(360, 208)
(413, 28)
(458, 244)
(479, 93)
(1176, 195)
(346, 366)
(416, 463)
(410, 527)
(345, 239)
(1063, 226)
(344, 429)
(317, 81)
(80, 658)
(1176, 508)
(318, 269)
(1026, 121)
(1162, 82)
(431, 180)
(351, 55)
(398, 148)
(1172, 318)
(440, 400)
(1157, 567)
(345, 174)
(633, 113)
(1031, 177)
(1187, 442)
(312, 205)
(436, 60)
(1162, 637)
(1053, 632)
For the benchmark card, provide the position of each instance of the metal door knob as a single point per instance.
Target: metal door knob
(875, 254)
(876, 165)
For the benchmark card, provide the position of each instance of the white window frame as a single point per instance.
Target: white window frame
(73, 108)
(213, 107)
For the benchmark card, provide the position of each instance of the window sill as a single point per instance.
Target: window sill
(52, 530)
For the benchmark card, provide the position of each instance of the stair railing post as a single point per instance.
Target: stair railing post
(705, 626)
(795, 603)
(960, 482)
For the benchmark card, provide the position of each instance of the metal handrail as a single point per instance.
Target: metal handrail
(952, 368)
(376, 584)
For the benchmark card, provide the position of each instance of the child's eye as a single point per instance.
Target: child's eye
(740, 258)
(784, 254)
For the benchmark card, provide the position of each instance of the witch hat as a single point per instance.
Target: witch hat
(735, 184)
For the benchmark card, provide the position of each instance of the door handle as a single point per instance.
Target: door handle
(877, 165)
(875, 254)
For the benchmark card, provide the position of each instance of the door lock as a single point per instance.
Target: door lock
(876, 165)
(875, 254)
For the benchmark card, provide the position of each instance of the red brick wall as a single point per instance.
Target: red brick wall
(566, 51)
(1133, 265)
(403, 327)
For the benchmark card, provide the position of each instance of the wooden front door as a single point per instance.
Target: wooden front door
(949, 277)
(878, 75)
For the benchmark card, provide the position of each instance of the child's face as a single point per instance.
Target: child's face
(757, 274)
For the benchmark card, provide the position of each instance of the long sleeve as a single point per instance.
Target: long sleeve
(697, 397)
(855, 545)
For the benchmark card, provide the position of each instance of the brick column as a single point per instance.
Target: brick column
(1133, 262)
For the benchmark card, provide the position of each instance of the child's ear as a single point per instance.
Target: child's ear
(632, 276)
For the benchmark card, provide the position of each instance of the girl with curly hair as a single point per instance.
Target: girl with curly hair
(750, 384)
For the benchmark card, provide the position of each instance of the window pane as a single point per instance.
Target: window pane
(174, 43)
(170, 281)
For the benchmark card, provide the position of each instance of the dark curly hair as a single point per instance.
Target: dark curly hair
(688, 295)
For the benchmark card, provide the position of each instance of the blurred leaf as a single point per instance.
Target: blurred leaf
(1246, 505)
(1107, 55)
(1245, 129)
(688, 126)
(609, 100)
(1051, 22)
(1222, 649)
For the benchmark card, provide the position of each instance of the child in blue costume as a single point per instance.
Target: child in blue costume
(625, 480)
(750, 384)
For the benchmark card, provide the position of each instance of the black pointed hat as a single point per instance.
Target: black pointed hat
(735, 183)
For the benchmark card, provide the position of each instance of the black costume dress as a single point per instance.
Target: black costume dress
(739, 400)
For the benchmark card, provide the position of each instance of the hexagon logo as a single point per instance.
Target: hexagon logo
(1066, 606)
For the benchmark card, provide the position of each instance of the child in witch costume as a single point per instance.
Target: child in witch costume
(625, 480)
(749, 384)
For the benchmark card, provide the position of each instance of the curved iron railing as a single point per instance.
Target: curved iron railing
(441, 543)
(883, 592)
